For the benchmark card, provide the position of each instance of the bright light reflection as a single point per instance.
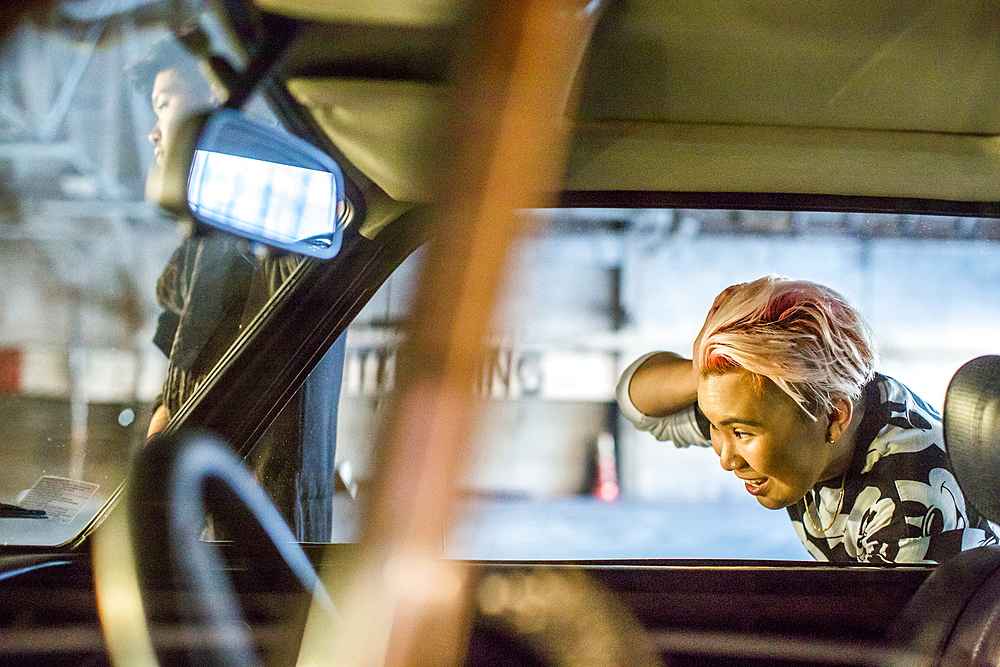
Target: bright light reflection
(273, 201)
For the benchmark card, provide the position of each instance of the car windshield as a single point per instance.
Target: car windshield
(92, 272)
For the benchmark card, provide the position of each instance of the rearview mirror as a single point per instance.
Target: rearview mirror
(257, 182)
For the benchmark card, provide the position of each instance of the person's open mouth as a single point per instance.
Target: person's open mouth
(755, 486)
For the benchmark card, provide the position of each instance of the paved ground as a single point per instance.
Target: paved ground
(584, 528)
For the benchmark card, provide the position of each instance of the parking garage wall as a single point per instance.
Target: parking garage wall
(589, 298)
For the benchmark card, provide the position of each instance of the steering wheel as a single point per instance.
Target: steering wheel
(176, 483)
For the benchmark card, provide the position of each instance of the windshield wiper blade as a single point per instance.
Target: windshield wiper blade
(15, 512)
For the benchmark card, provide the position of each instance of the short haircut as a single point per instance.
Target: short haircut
(166, 54)
(804, 337)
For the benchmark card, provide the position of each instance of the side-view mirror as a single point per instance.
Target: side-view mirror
(255, 181)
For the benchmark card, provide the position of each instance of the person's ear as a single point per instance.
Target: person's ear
(839, 418)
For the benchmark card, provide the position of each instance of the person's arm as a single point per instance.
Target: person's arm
(685, 426)
(664, 384)
(159, 419)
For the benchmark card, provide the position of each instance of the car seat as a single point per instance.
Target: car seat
(954, 618)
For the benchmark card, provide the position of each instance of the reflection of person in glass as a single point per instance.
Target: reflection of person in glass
(783, 386)
(210, 289)
(203, 288)
(176, 93)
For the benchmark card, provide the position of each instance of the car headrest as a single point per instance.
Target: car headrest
(972, 432)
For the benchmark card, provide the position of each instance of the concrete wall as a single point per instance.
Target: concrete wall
(589, 298)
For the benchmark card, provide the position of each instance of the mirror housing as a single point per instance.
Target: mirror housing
(254, 181)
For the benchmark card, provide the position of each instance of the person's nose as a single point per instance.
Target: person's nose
(155, 135)
(728, 458)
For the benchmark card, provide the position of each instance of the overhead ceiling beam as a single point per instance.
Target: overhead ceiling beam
(49, 125)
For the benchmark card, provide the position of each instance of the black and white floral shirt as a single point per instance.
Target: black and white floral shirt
(901, 502)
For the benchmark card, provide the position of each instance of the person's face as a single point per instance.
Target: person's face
(173, 100)
(763, 437)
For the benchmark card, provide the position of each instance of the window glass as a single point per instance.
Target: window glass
(109, 316)
(83, 256)
(371, 344)
(560, 474)
(557, 471)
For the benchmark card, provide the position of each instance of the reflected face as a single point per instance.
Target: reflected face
(173, 100)
(762, 436)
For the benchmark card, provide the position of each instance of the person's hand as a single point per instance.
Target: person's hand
(156, 423)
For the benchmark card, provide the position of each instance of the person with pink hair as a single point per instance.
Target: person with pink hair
(782, 384)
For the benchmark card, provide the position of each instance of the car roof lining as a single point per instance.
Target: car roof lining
(764, 96)
(734, 158)
(896, 65)
(389, 130)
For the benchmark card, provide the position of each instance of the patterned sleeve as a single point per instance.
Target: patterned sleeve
(681, 428)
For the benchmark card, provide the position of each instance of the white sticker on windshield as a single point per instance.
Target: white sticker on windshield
(61, 498)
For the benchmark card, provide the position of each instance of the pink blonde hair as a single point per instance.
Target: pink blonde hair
(804, 337)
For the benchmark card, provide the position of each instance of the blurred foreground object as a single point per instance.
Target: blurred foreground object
(404, 604)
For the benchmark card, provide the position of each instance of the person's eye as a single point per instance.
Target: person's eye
(741, 434)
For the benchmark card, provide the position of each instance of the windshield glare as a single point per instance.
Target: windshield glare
(83, 258)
